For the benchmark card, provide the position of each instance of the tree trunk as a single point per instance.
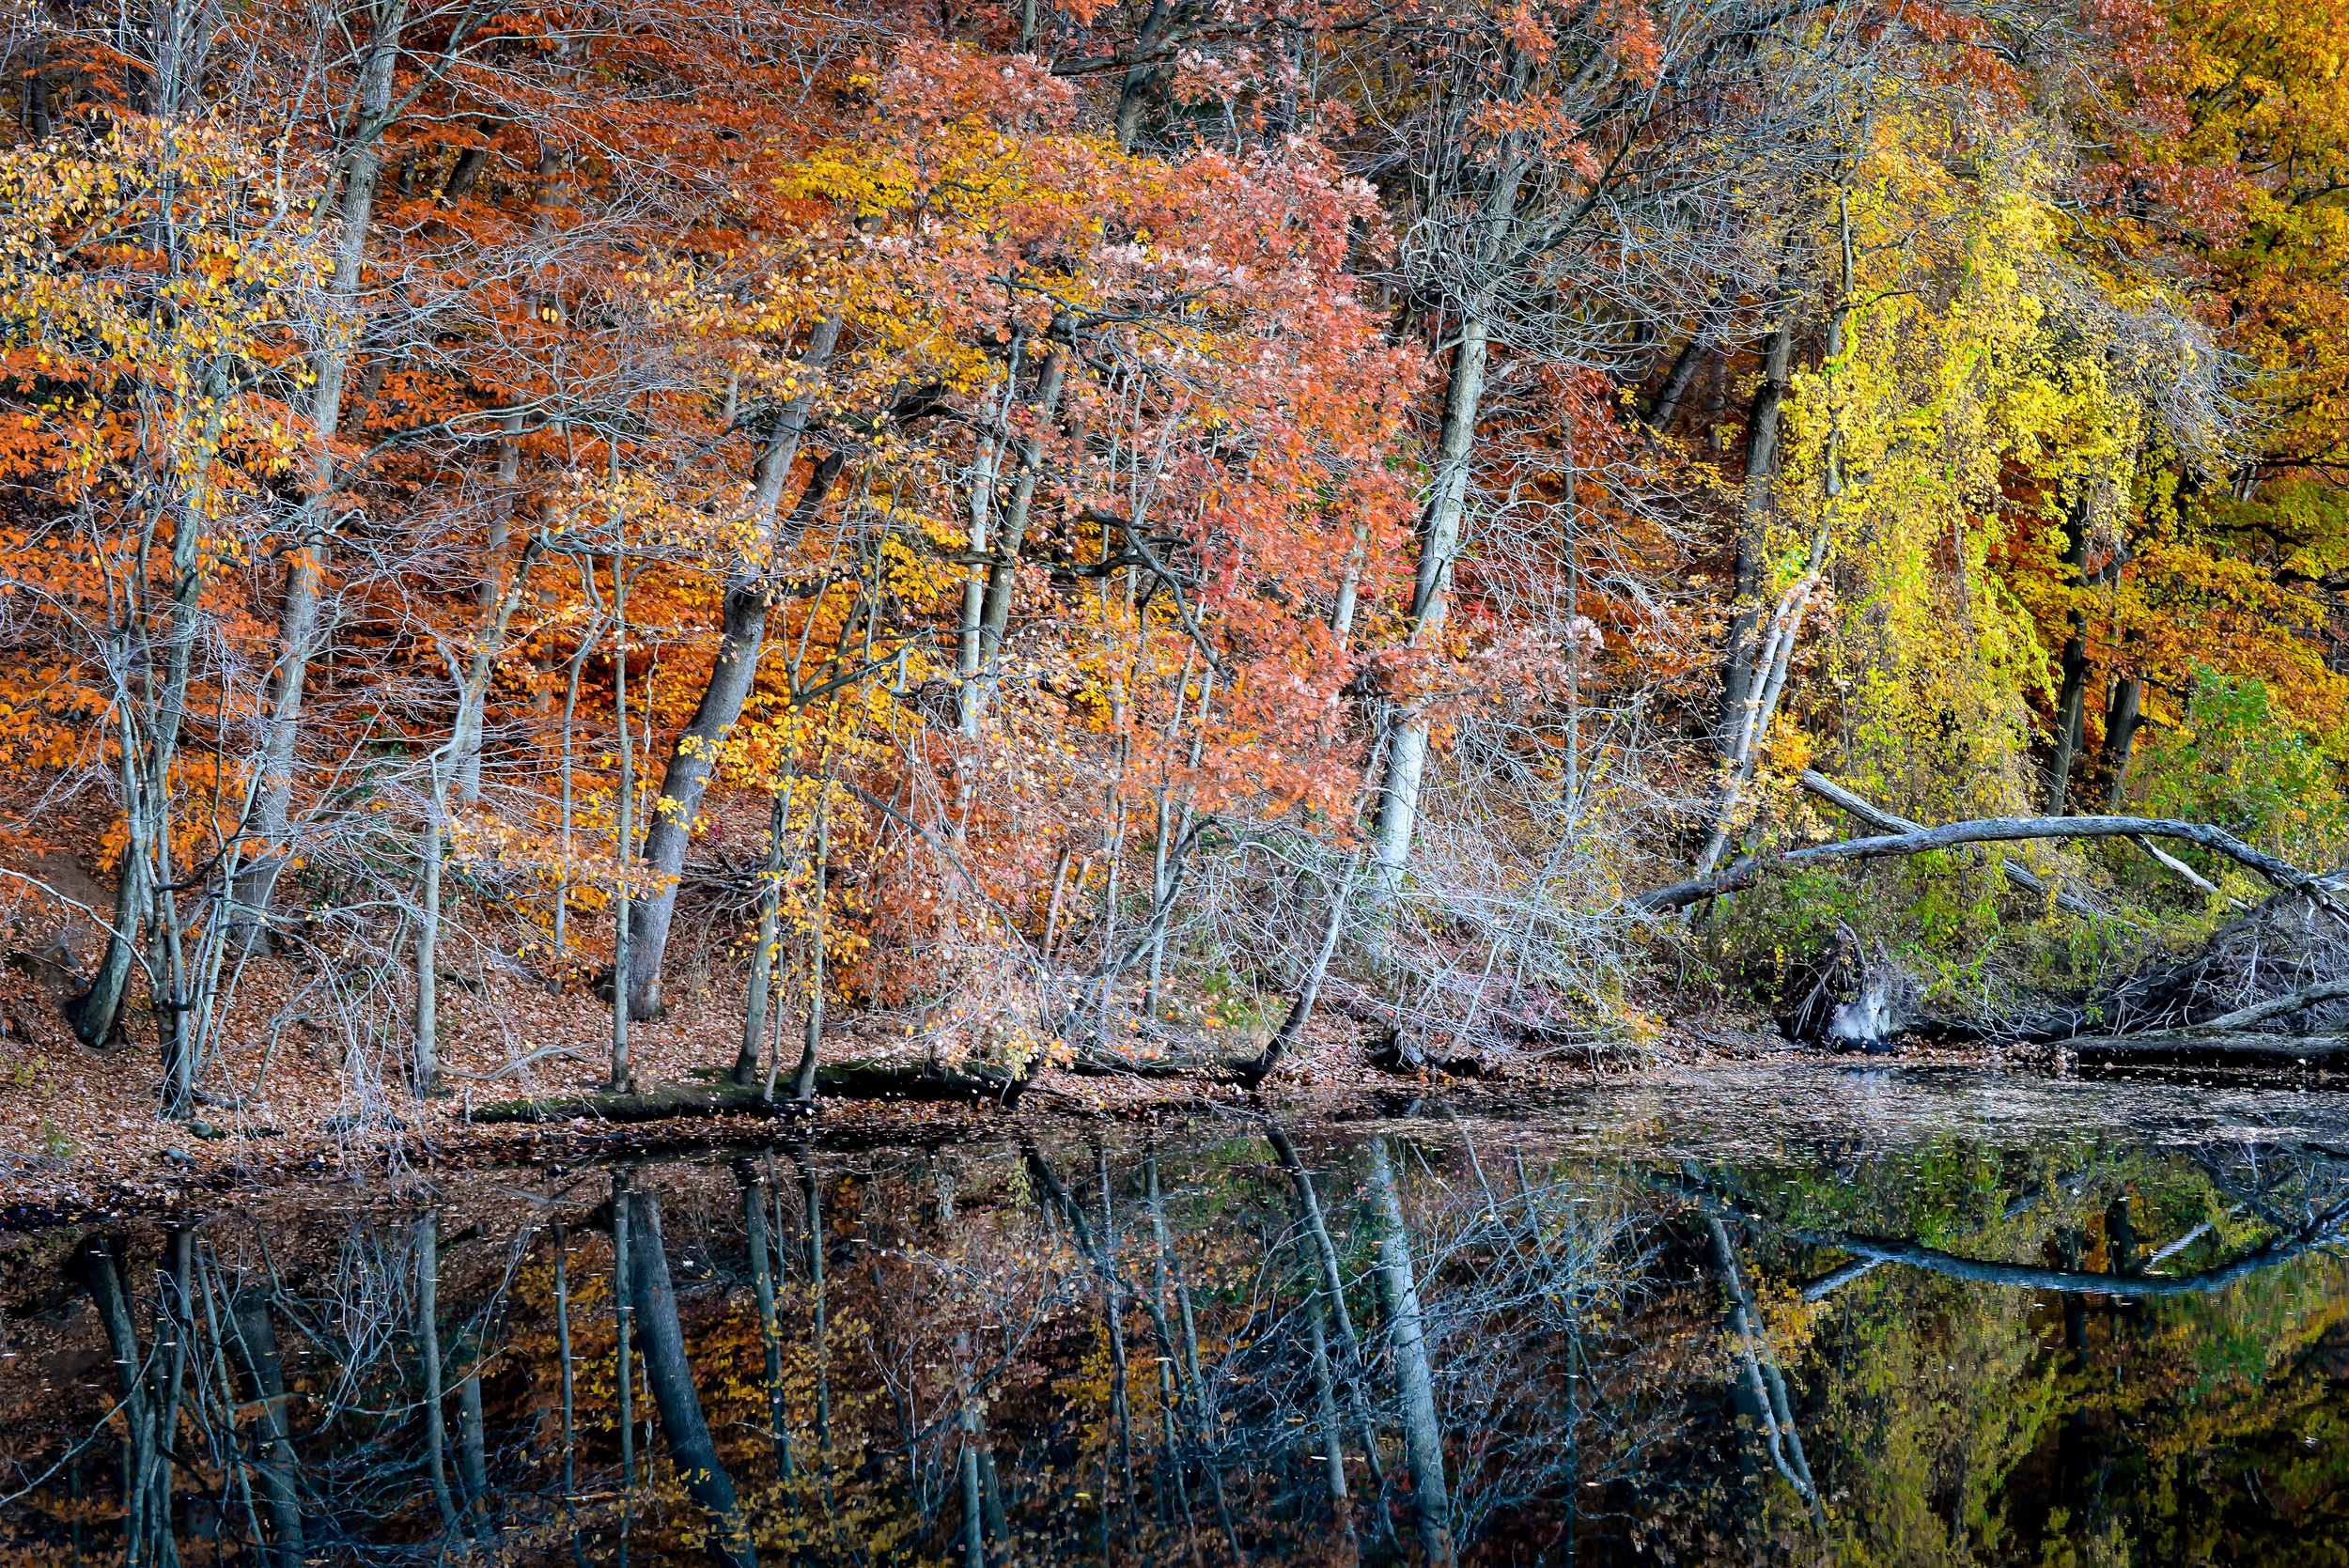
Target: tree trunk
(146, 758)
(1414, 1381)
(624, 836)
(1764, 1386)
(428, 1355)
(671, 1375)
(2015, 872)
(732, 674)
(1993, 829)
(2121, 721)
(1662, 413)
(1761, 492)
(1114, 1304)
(563, 1353)
(819, 973)
(97, 1013)
(2071, 701)
(1003, 573)
(763, 948)
(97, 1266)
(1334, 1287)
(985, 470)
(1431, 596)
(1292, 1027)
(174, 1317)
(298, 623)
(623, 1334)
(472, 1457)
(1326, 1415)
(812, 1206)
(1130, 96)
(755, 1196)
(425, 1073)
(565, 773)
(982, 1501)
(973, 1543)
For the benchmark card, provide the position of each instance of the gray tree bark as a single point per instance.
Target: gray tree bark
(97, 1266)
(754, 1200)
(764, 948)
(733, 672)
(1994, 829)
(298, 621)
(1326, 1415)
(1431, 599)
(1334, 1287)
(428, 1355)
(1762, 419)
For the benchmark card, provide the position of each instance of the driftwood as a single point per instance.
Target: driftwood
(2190, 1041)
(851, 1080)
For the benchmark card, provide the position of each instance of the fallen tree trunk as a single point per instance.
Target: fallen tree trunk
(2275, 1007)
(2015, 872)
(1993, 829)
(2300, 1048)
(1100, 1063)
(847, 1081)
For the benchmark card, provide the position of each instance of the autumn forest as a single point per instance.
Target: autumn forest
(699, 555)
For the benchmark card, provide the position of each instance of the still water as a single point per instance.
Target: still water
(1785, 1315)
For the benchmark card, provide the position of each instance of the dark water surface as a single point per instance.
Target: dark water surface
(1794, 1314)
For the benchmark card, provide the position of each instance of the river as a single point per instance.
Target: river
(1778, 1314)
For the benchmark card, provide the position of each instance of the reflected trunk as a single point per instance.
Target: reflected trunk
(255, 1339)
(671, 1377)
(1414, 1382)
(427, 1243)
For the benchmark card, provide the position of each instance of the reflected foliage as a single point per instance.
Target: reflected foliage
(1425, 1338)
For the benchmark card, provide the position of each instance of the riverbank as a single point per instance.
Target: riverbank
(69, 1152)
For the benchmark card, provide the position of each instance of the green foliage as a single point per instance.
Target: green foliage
(2238, 762)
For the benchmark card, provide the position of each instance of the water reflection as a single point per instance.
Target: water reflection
(1540, 1339)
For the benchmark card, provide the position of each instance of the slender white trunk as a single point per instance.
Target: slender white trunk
(298, 627)
(1431, 597)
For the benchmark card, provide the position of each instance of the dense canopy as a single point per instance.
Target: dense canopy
(1081, 531)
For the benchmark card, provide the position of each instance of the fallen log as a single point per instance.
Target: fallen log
(1097, 1064)
(1994, 829)
(2276, 1007)
(2221, 1042)
(2015, 872)
(847, 1081)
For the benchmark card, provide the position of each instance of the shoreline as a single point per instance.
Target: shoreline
(167, 1171)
